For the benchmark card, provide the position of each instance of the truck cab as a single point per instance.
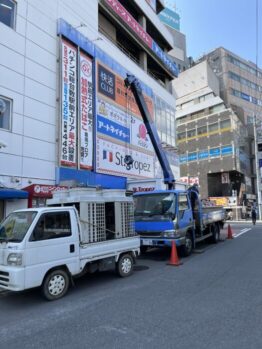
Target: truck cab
(34, 241)
(176, 215)
(163, 216)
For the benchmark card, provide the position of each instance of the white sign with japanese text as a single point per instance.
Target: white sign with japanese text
(86, 112)
(69, 104)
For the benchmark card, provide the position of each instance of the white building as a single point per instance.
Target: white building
(43, 44)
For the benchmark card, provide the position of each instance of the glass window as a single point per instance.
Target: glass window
(181, 135)
(183, 203)
(191, 133)
(8, 12)
(192, 156)
(154, 204)
(225, 124)
(5, 113)
(52, 225)
(201, 130)
(213, 127)
(16, 225)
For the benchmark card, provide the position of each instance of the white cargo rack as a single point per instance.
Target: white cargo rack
(104, 213)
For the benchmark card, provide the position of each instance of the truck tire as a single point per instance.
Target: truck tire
(187, 248)
(215, 233)
(55, 284)
(124, 266)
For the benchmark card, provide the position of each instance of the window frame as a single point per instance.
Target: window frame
(9, 100)
(185, 208)
(14, 16)
(51, 230)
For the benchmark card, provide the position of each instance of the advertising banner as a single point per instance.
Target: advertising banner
(86, 112)
(225, 178)
(69, 104)
(110, 160)
(77, 109)
(219, 201)
(189, 180)
(170, 18)
(214, 152)
(120, 128)
(130, 21)
(203, 154)
(227, 150)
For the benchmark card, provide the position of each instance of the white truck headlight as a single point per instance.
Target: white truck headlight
(14, 259)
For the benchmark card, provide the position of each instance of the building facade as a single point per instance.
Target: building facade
(66, 118)
(241, 89)
(209, 135)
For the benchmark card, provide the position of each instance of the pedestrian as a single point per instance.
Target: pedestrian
(254, 215)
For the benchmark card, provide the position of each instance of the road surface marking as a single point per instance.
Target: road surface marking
(243, 231)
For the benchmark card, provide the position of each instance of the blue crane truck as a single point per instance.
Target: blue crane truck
(164, 216)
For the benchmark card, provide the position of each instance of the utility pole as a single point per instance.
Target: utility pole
(257, 166)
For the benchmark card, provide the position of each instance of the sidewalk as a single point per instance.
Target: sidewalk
(243, 221)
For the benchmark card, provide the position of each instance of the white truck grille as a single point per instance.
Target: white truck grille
(4, 279)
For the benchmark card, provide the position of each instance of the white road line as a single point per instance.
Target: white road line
(243, 231)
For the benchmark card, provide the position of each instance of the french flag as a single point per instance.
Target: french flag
(108, 155)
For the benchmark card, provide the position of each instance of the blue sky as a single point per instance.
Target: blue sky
(208, 24)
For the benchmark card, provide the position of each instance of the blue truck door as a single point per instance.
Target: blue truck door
(185, 216)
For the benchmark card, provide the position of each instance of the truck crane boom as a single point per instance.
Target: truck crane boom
(133, 83)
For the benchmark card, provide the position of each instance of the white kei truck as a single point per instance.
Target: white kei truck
(82, 230)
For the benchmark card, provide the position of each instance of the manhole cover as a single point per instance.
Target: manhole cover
(140, 267)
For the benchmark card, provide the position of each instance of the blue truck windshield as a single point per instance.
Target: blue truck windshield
(155, 204)
(16, 225)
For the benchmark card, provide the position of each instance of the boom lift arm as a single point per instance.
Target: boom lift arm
(133, 83)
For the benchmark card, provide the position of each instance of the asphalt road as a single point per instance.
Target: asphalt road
(213, 300)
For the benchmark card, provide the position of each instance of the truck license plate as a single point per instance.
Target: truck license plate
(147, 242)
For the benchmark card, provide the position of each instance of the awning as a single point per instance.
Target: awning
(6, 193)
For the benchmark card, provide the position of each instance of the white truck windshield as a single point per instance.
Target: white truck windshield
(16, 225)
(155, 204)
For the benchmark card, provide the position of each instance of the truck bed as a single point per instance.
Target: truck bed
(94, 251)
(210, 215)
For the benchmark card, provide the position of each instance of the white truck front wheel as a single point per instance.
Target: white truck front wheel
(55, 284)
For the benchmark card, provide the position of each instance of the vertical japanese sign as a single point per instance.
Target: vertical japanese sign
(69, 104)
(86, 112)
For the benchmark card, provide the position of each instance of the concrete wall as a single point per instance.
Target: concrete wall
(194, 79)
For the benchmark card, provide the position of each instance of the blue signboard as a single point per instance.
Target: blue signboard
(192, 156)
(227, 150)
(183, 159)
(170, 18)
(214, 152)
(203, 154)
(171, 66)
(113, 129)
